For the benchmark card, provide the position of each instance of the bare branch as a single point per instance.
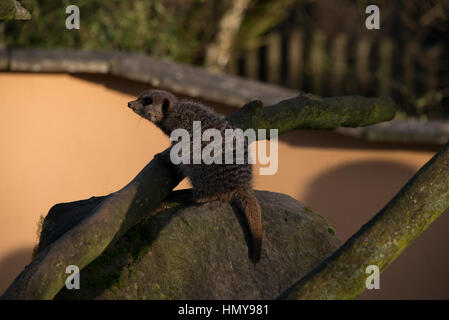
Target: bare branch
(219, 52)
(383, 238)
(13, 10)
(121, 210)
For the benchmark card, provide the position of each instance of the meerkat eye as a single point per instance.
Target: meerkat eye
(147, 100)
(165, 105)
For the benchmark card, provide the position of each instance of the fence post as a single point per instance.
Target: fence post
(339, 61)
(385, 65)
(252, 63)
(317, 61)
(431, 70)
(274, 57)
(363, 72)
(233, 64)
(295, 57)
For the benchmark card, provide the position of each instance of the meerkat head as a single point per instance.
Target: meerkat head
(153, 105)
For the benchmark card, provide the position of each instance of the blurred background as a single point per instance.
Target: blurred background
(66, 136)
(317, 46)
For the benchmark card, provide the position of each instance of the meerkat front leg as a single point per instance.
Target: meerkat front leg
(176, 168)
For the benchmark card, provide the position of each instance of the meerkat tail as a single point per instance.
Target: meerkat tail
(248, 203)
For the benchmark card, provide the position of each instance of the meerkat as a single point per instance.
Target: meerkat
(223, 182)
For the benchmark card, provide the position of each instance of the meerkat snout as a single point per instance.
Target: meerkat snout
(135, 106)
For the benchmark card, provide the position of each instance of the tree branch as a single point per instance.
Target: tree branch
(383, 238)
(311, 112)
(219, 51)
(13, 10)
(121, 210)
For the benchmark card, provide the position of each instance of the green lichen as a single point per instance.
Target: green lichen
(40, 224)
(11, 9)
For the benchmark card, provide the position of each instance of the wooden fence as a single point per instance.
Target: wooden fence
(341, 65)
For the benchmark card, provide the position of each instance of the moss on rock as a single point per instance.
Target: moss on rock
(191, 251)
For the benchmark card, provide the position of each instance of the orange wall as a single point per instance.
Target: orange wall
(65, 138)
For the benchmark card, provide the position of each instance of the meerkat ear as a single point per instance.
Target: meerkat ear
(166, 105)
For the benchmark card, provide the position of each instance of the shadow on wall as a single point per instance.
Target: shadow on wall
(122, 85)
(335, 140)
(11, 265)
(351, 194)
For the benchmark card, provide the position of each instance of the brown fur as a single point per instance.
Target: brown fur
(223, 182)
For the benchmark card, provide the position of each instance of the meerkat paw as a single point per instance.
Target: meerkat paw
(165, 157)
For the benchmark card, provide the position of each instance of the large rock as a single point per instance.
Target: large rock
(192, 251)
